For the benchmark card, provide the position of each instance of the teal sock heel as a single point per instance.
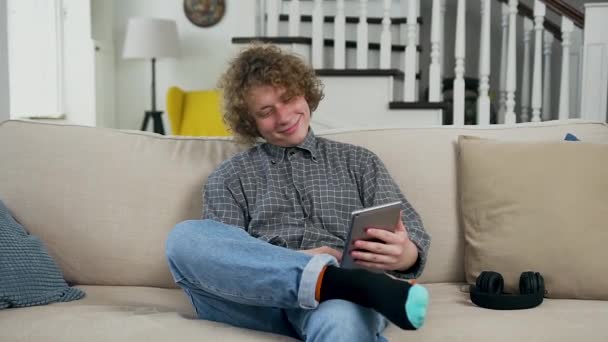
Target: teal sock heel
(416, 304)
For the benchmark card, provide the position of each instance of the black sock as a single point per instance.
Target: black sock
(392, 298)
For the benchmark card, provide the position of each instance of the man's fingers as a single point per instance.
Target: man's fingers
(395, 238)
(378, 248)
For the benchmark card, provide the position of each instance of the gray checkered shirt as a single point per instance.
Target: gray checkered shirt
(302, 197)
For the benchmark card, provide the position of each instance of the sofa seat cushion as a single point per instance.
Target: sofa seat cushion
(110, 313)
(120, 313)
(452, 317)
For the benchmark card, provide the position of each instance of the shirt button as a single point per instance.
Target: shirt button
(292, 153)
(273, 161)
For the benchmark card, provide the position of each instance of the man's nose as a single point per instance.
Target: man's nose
(282, 111)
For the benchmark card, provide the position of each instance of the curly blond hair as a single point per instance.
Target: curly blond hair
(264, 65)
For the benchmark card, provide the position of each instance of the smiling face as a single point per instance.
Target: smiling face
(282, 121)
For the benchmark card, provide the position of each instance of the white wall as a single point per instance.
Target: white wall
(4, 80)
(78, 63)
(204, 53)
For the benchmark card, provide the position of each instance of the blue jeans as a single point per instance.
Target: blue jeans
(234, 278)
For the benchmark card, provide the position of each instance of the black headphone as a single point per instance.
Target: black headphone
(488, 291)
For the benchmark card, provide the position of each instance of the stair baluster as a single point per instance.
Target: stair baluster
(502, 88)
(564, 93)
(362, 36)
(546, 113)
(459, 54)
(537, 81)
(511, 67)
(317, 35)
(294, 18)
(385, 36)
(525, 74)
(442, 42)
(411, 55)
(272, 12)
(339, 36)
(483, 101)
(435, 67)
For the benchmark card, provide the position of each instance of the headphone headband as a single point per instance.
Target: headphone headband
(484, 293)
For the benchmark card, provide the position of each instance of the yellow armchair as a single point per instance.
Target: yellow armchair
(195, 113)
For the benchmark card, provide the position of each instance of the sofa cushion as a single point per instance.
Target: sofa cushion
(134, 314)
(28, 275)
(537, 206)
(104, 200)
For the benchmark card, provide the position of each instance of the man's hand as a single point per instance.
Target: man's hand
(394, 251)
(324, 250)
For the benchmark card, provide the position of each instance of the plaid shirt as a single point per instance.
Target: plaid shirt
(302, 197)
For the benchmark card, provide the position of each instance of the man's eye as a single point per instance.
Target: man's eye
(264, 114)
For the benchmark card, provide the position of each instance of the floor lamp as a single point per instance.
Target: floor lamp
(151, 38)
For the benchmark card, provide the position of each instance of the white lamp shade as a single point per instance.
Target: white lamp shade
(150, 38)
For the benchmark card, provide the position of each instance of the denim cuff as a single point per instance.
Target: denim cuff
(310, 276)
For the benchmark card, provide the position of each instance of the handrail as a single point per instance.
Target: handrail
(558, 6)
(563, 8)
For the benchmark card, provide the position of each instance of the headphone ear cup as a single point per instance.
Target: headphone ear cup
(490, 282)
(541, 283)
(479, 281)
(530, 283)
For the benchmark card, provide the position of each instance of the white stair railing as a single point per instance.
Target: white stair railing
(339, 36)
(459, 54)
(362, 39)
(525, 74)
(564, 92)
(317, 35)
(411, 53)
(535, 70)
(537, 81)
(385, 36)
(547, 51)
(511, 66)
(483, 101)
(294, 18)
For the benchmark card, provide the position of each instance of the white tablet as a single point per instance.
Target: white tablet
(385, 216)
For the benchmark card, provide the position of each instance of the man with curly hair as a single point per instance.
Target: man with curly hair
(266, 254)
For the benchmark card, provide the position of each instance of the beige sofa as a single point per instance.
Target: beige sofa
(104, 200)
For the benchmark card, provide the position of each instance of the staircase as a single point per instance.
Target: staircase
(383, 62)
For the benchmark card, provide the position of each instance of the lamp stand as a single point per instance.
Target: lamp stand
(154, 114)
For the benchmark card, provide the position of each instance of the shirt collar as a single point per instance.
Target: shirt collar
(277, 153)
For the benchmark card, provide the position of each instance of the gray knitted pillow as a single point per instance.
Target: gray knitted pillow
(28, 275)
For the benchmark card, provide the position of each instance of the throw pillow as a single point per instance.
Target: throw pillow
(539, 206)
(571, 137)
(28, 275)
